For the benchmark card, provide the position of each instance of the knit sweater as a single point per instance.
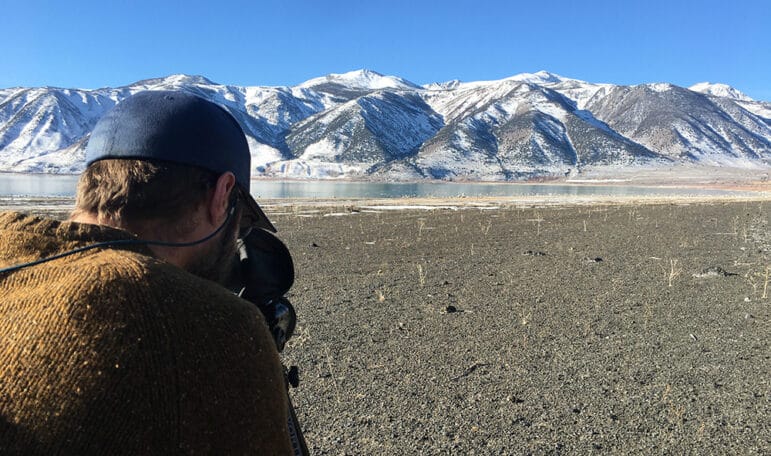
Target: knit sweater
(113, 351)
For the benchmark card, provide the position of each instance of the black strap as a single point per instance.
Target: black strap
(120, 242)
(299, 447)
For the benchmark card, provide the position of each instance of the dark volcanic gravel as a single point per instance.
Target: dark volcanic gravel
(560, 330)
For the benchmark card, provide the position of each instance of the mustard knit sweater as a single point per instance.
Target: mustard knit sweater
(112, 351)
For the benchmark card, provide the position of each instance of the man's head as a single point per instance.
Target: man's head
(181, 128)
(169, 166)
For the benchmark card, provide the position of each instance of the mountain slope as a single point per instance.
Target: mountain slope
(513, 129)
(43, 129)
(361, 136)
(683, 124)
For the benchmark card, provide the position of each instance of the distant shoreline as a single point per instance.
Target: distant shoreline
(60, 207)
(696, 176)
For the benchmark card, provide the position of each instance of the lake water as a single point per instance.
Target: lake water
(46, 185)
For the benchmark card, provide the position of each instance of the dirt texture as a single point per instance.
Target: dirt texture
(624, 329)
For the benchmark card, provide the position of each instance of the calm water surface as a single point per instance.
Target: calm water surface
(47, 185)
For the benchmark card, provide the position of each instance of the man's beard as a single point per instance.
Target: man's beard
(215, 263)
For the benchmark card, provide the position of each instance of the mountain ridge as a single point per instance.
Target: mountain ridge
(363, 124)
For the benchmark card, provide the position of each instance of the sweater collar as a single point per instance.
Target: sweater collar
(65, 230)
(23, 234)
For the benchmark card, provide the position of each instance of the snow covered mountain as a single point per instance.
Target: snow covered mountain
(516, 128)
(363, 124)
(682, 124)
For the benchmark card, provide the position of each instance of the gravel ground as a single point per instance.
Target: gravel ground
(626, 329)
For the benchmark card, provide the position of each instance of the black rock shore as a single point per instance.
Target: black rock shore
(543, 330)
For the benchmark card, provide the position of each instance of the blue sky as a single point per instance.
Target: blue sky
(90, 44)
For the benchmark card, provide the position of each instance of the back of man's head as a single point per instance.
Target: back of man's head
(144, 195)
(155, 156)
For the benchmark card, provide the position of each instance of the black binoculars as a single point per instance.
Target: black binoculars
(263, 272)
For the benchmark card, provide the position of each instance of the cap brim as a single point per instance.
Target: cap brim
(252, 215)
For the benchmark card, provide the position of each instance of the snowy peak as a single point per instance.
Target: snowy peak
(720, 90)
(361, 80)
(447, 85)
(541, 77)
(660, 87)
(174, 80)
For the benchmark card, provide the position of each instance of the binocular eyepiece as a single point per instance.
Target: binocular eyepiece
(262, 273)
(281, 318)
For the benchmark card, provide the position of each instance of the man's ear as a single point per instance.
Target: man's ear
(220, 200)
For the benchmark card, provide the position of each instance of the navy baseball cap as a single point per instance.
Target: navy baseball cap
(181, 128)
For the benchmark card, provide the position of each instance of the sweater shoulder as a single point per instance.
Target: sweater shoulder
(150, 333)
(136, 276)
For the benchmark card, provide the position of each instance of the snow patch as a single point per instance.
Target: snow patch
(719, 90)
(659, 87)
